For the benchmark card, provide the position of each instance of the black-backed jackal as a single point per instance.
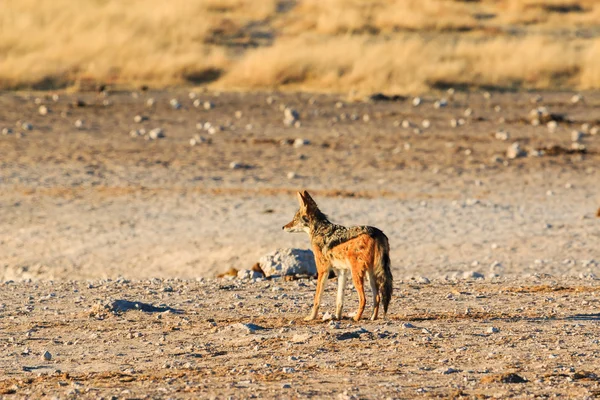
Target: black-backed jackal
(362, 250)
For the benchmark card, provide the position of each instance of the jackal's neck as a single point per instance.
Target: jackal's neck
(319, 227)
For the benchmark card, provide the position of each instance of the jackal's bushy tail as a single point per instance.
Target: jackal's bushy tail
(383, 273)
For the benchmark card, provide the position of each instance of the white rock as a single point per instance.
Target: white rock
(299, 142)
(249, 274)
(492, 329)
(156, 133)
(406, 124)
(26, 126)
(576, 136)
(416, 101)
(440, 103)
(43, 110)
(468, 112)
(150, 102)
(79, 123)
(473, 275)
(576, 98)
(288, 262)
(327, 317)
(291, 175)
(175, 104)
(208, 105)
(502, 135)
(552, 125)
(426, 123)
(515, 151)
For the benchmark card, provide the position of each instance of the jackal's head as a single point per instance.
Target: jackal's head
(306, 215)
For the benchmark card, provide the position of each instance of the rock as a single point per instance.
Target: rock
(288, 370)
(502, 135)
(576, 136)
(248, 328)
(440, 103)
(301, 338)
(423, 280)
(139, 118)
(208, 105)
(299, 142)
(43, 110)
(327, 317)
(416, 101)
(492, 329)
(156, 133)
(150, 102)
(288, 262)
(26, 126)
(473, 275)
(47, 356)
(503, 378)
(286, 386)
(408, 325)
(175, 104)
(446, 371)
(576, 98)
(515, 151)
(7, 131)
(290, 116)
(426, 123)
(468, 112)
(292, 175)
(79, 124)
(249, 274)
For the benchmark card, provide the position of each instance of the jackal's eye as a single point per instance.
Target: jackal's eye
(304, 218)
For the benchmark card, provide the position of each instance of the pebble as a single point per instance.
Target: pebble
(492, 329)
(43, 110)
(416, 101)
(26, 126)
(473, 275)
(576, 98)
(576, 136)
(156, 133)
(300, 142)
(290, 116)
(426, 123)
(175, 104)
(288, 370)
(423, 280)
(327, 316)
(552, 125)
(270, 100)
(408, 325)
(79, 124)
(139, 118)
(238, 114)
(286, 386)
(47, 356)
(515, 151)
(7, 131)
(440, 103)
(406, 124)
(235, 165)
(502, 135)
(208, 105)
(291, 175)
(150, 102)
(468, 112)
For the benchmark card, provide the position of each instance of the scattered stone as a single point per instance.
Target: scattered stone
(79, 124)
(197, 103)
(300, 142)
(468, 112)
(366, 118)
(156, 133)
(426, 123)
(43, 110)
(577, 98)
(288, 262)
(416, 101)
(208, 105)
(248, 274)
(47, 356)
(7, 131)
(270, 100)
(503, 378)
(175, 104)
(487, 95)
(150, 102)
(492, 329)
(286, 386)
(446, 371)
(247, 328)
(408, 325)
(238, 114)
(236, 165)
(594, 130)
(26, 126)
(440, 103)
(327, 316)
(502, 135)
(473, 275)
(292, 175)
(406, 124)
(423, 280)
(515, 151)
(301, 338)
(290, 116)
(576, 136)
(552, 126)
(139, 118)
(288, 370)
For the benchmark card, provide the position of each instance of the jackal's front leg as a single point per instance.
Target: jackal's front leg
(339, 303)
(321, 280)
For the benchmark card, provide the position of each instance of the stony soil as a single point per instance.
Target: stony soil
(91, 215)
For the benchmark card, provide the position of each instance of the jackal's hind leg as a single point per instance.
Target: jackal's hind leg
(376, 296)
(358, 280)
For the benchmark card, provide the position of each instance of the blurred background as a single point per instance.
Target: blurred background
(403, 46)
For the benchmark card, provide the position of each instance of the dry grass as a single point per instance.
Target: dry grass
(336, 45)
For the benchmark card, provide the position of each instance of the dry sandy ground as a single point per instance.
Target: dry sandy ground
(93, 203)
(444, 339)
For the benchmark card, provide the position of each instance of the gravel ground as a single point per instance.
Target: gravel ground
(92, 213)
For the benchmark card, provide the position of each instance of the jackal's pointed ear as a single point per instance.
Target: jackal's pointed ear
(301, 200)
(310, 203)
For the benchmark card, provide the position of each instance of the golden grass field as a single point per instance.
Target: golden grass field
(403, 46)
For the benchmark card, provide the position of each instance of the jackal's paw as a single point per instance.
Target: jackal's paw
(309, 318)
(356, 318)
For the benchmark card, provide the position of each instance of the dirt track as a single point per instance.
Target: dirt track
(83, 205)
